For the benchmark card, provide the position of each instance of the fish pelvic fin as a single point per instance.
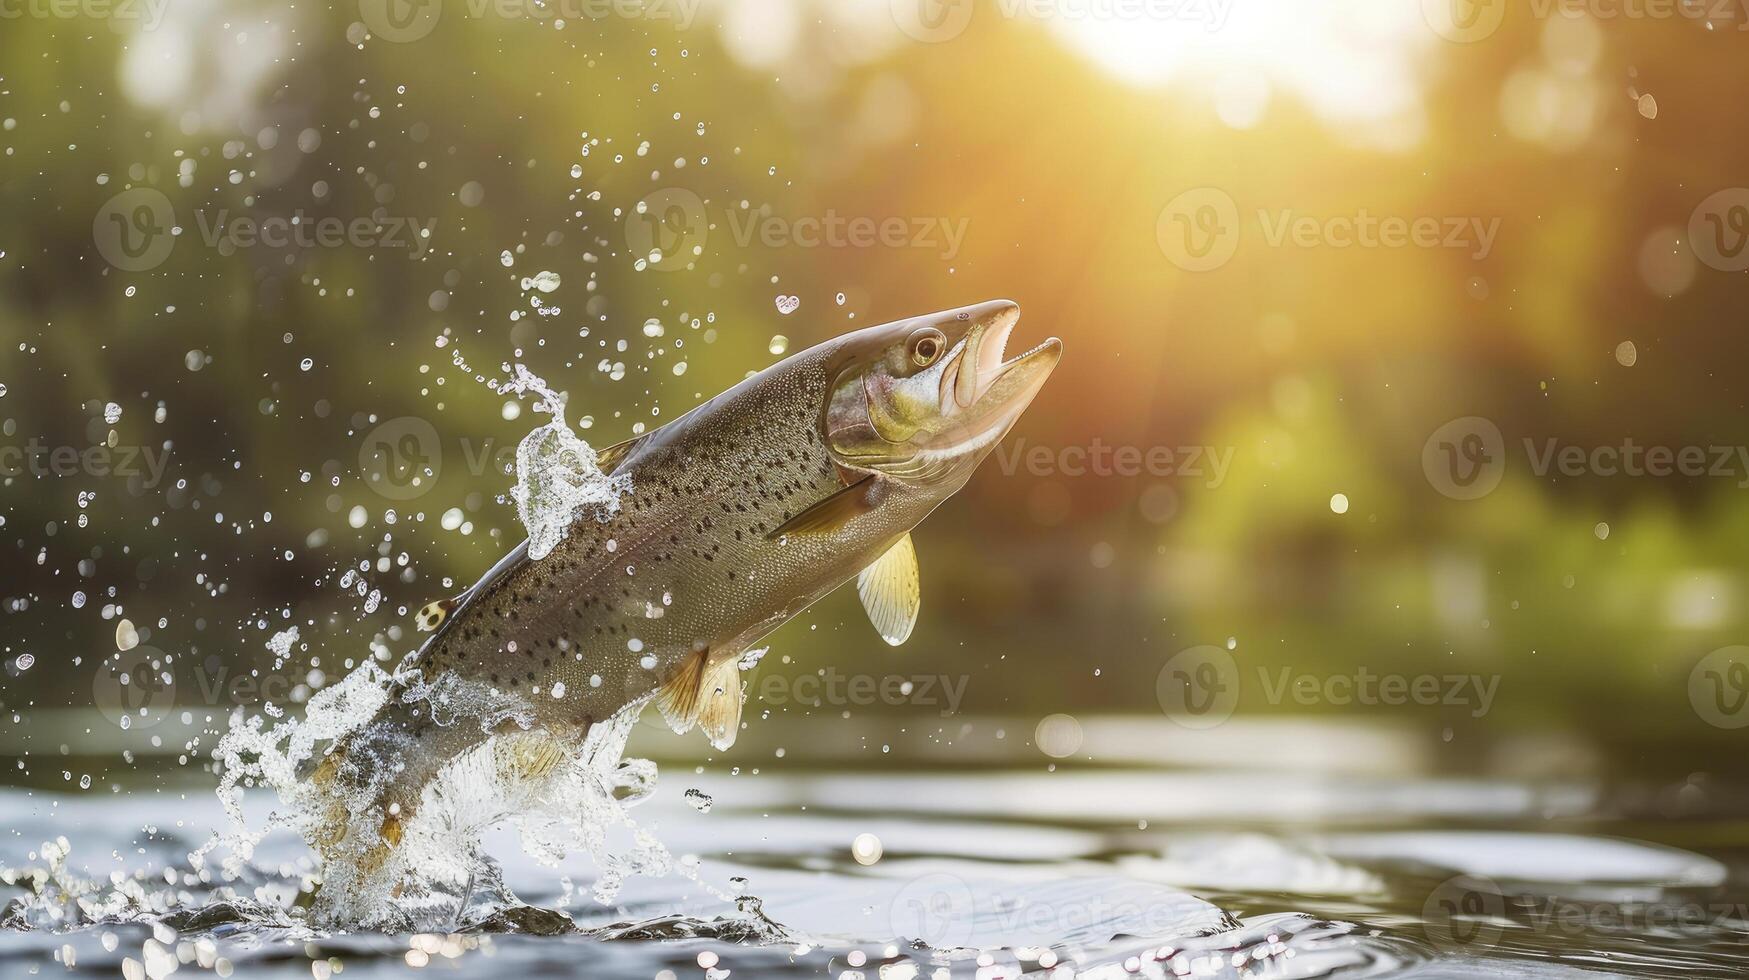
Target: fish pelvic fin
(891, 591)
(704, 694)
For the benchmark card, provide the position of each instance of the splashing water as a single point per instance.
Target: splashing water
(328, 767)
(557, 475)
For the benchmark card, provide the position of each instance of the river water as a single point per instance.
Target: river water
(1313, 848)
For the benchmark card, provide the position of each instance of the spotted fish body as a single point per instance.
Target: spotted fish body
(739, 515)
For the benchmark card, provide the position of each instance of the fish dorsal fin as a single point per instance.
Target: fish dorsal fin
(834, 512)
(607, 460)
(432, 614)
(704, 694)
(891, 591)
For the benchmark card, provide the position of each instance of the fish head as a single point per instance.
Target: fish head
(924, 400)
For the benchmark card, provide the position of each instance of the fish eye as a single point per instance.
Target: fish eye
(926, 346)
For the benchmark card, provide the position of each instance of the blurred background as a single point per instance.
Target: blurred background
(1378, 320)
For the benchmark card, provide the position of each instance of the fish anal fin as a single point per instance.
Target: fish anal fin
(834, 512)
(891, 591)
(432, 614)
(705, 694)
(719, 713)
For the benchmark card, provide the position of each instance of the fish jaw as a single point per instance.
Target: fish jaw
(983, 393)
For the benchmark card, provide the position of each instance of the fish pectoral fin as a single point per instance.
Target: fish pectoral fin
(432, 614)
(834, 512)
(704, 694)
(892, 591)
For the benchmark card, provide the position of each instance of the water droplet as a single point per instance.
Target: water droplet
(1626, 354)
(1339, 503)
(866, 848)
(26, 661)
(546, 281)
(779, 344)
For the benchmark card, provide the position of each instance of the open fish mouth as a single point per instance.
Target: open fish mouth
(980, 377)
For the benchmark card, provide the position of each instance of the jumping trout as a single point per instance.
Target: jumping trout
(740, 514)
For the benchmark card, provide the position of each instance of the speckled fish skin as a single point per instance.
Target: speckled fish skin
(691, 561)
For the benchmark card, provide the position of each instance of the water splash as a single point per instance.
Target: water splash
(558, 476)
